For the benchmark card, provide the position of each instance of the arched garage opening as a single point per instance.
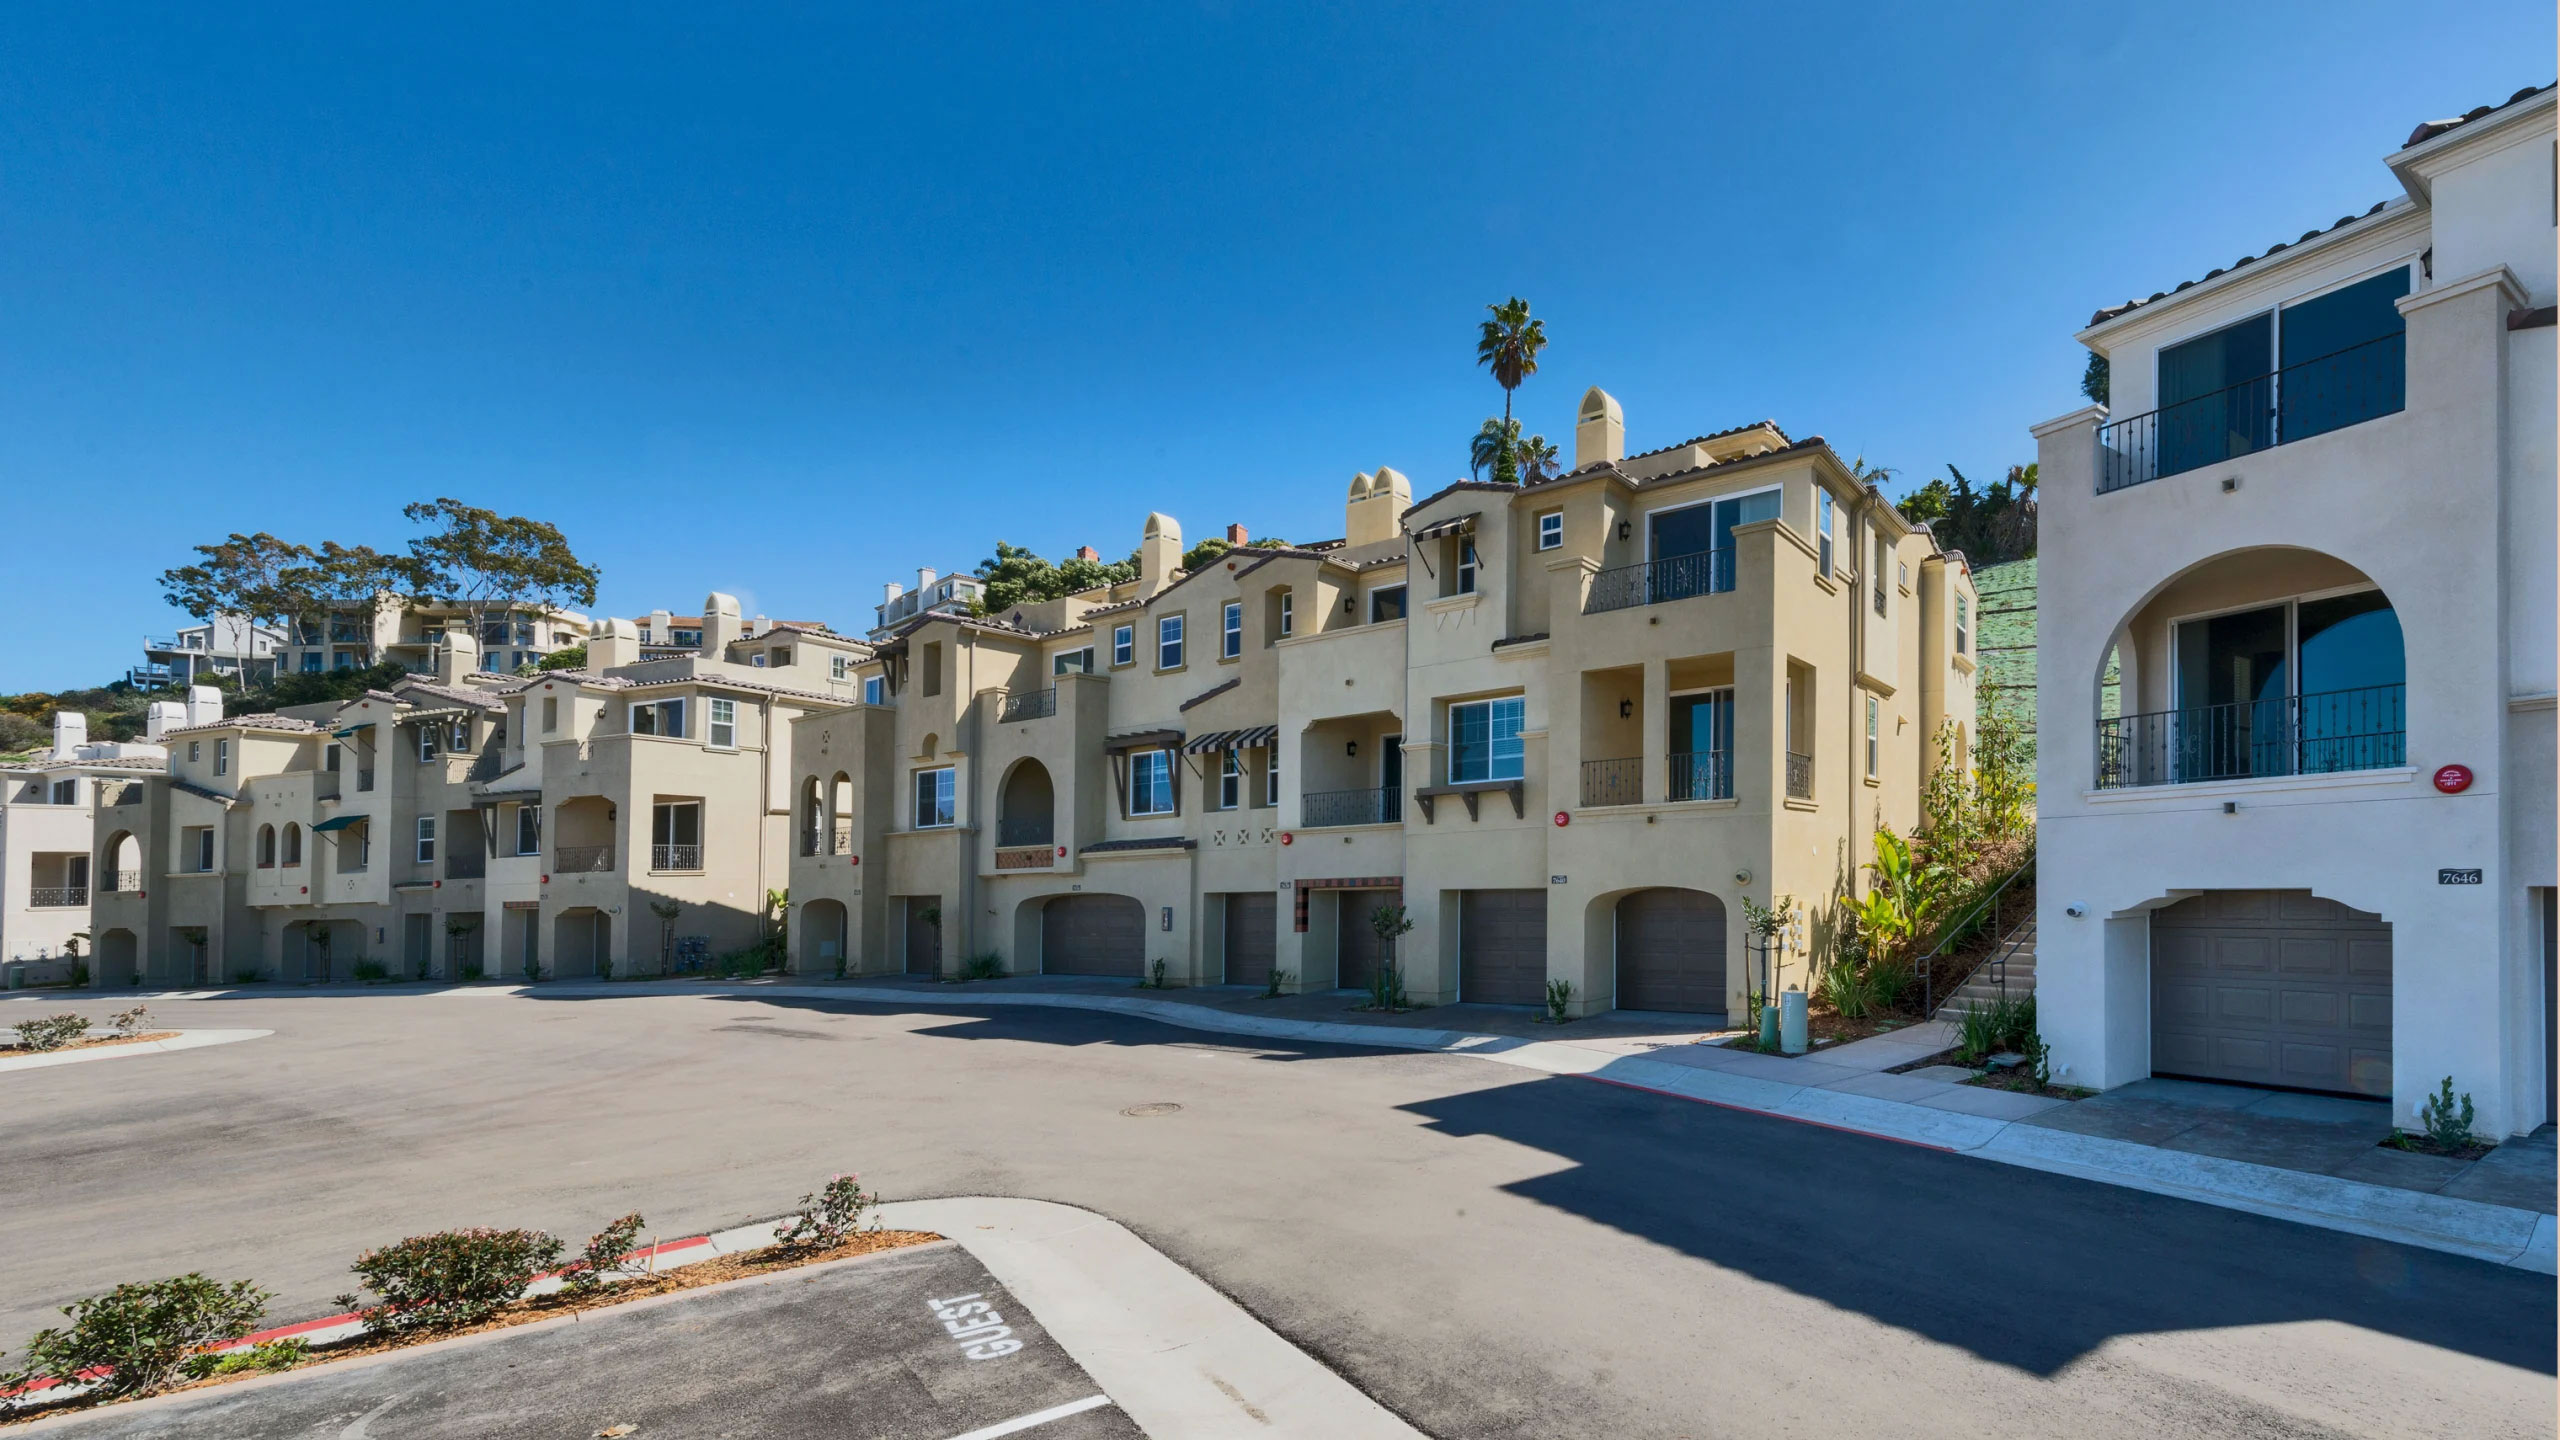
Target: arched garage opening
(2272, 987)
(1671, 951)
(1094, 935)
(118, 955)
(822, 936)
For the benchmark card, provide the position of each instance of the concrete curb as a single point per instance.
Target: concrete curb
(183, 1040)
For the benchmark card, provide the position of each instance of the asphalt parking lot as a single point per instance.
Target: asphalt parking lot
(858, 1348)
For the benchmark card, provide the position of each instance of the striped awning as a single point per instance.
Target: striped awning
(1459, 526)
(1246, 739)
(339, 822)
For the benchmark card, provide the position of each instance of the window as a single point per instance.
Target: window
(221, 757)
(332, 756)
(195, 752)
(936, 800)
(292, 846)
(311, 662)
(675, 835)
(1288, 612)
(873, 689)
(1231, 630)
(1484, 740)
(1551, 530)
(1230, 779)
(1151, 782)
(781, 658)
(426, 839)
(550, 713)
(1875, 757)
(929, 661)
(1271, 773)
(1169, 643)
(664, 717)
(427, 744)
(1963, 613)
(2306, 686)
(266, 847)
(724, 724)
(1386, 604)
(839, 667)
(66, 792)
(348, 662)
(1463, 578)
(1881, 565)
(202, 851)
(528, 829)
(1124, 645)
(1072, 662)
(1822, 529)
(458, 740)
(757, 660)
(489, 662)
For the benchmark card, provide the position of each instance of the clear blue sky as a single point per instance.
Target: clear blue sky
(788, 307)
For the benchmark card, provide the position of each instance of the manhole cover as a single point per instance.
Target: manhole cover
(1160, 1107)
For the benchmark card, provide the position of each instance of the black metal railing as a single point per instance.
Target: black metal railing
(1675, 577)
(1041, 831)
(465, 863)
(1027, 705)
(843, 837)
(813, 840)
(1799, 776)
(1372, 806)
(1613, 782)
(675, 857)
(1700, 775)
(2321, 734)
(120, 881)
(46, 896)
(582, 860)
(2002, 906)
(2310, 397)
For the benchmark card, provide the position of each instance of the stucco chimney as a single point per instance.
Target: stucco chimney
(661, 628)
(1087, 552)
(1375, 509)
(1159, 553)
(615, 642)
(890, 592)
(925, 578)
(204, 705)
(70, 732)
(160, 717)
(1236, 536)
(1600, 430)
(719, 623)
(458, 655)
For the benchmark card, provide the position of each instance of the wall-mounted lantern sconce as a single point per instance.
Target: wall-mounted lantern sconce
(1624, 529)
(1350, 747)
(1626, 709)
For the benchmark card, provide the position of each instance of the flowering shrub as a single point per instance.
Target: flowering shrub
(129, 1023)
(608, 1250)
(827, 1218)
(452, 1278)
(52, 1032)
(137, 1339)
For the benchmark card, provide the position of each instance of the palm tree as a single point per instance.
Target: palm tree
(1538, 460)
(1486, 449)
(1509, 344)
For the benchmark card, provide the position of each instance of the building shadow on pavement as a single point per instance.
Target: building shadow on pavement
(2017, 1266)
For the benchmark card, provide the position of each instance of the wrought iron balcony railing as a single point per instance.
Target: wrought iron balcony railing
(1799, 776)
(1375, 805)
(2340, 730)
(675, 857)
(1654, 582)
(1027, 705)
(1613, 782)
(1700, 775)
(582, 860)
(46, 897)
(2307, 398)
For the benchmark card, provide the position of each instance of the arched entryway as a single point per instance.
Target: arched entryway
(119, 954)
(1026, 807)
(1094, 935)
(120, 863)
(822, 937)
(1671, 951)
(2272, 987)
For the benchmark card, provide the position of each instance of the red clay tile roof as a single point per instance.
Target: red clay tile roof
(2110, 312)
(2430, 129)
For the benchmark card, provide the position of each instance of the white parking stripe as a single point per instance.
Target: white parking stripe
(1020, 1423)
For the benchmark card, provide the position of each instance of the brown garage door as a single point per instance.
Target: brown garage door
(1502, 947)
(924, 934)
(1253, 936)
(2272, 987)
(1356, 946)
(1094, 935)
(1671, 951)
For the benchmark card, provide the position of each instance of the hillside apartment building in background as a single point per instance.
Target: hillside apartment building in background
(2306, 839)
(411, 632)
(222, 647)
(1568, 726)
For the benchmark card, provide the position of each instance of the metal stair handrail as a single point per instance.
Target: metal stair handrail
(1950, 933)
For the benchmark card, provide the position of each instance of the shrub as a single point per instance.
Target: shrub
(129, 1023)
(266, 1356)
(371, 970)
(1155, 975)
(2004, 1024)
(989, 966)
(532, 970)
(604, 967)
(452, 1278)
(53, 1031)
(142, 1336)
(608, 1250)
(1279, 977)
(2446, 1126)
(80, 975)
(1559, 1001)
(1386, 987)
(471, 970)
(827, 1218)
(244, 977)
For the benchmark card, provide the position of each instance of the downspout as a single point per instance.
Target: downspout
(1857, 704)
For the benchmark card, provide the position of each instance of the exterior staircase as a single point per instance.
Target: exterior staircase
(2009, 970)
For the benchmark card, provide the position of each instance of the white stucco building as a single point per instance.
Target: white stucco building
(2308, 840)
(48, 806)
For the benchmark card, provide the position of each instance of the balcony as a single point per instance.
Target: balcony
(588, 860)
(466, 867)
(1027, 705)
(675, 857)
(328, 785)
(1613, 782)
(1708, 775)
(1656, 582)
(57, 897)
(2324, 734)
(1374, 805)
(1026, 857)
(2312, 397)
(121, 882)
(1799, 776)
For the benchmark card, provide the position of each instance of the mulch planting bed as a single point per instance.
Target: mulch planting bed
(2427, 1145)
(13, 1048)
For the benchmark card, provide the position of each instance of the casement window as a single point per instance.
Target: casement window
(550, 713)
(724, 724)
(1124, 645)
(1072, 662)
(1386, 604)
(1151, 783)
(427, 744)
(663, 717)
(1875, 757)
(839, 666)
(1288, 612)
(195, 752)
(1230, 779)
(936, 798)
(528, 829)
(426, 839)
(221, 757)
(1822, 530)
(1964, 615)
(458, 739)
(1551, 530)
(874, 690)
(781, 659)
(1231, 630)
(66, 792)
(1484, 740)
(1463, 577)
(200, 851)
(1271, 774)
(1169, 643)
(757, 660)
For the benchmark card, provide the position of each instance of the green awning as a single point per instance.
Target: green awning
(339, 822)
(350, 730)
